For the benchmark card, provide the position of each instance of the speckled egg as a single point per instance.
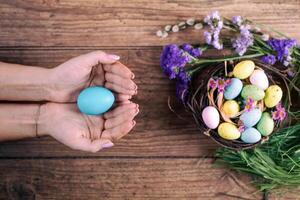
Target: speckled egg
(266, 124)
(228, 131)
(243, 69)
(231, 108)
(252, 91)
(233, 89)
(95, 100)
(260, 79)
(250, 135)
(211, 117)
(251, 117)
(273, 96)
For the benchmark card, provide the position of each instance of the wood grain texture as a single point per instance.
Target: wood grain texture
(121, 179)
(127, 23)
(159, 132)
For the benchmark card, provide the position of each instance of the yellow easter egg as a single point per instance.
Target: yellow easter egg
(273, 96)
(228, 131)
(243, 69)
(231, 108)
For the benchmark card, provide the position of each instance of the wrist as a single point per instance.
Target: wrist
(43, 119)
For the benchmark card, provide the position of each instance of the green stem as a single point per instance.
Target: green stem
(227, 58)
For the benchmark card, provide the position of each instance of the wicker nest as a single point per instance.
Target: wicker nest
(198, 98)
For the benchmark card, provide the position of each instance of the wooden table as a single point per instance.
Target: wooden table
(164, 157)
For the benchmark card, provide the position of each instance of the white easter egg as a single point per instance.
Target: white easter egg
(260, 79)
(211, 117)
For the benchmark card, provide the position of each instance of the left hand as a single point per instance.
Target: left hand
(94, 68)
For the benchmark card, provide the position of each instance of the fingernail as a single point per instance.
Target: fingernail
(114, 57)
(107, 145)
(137, 111)
(132, 76)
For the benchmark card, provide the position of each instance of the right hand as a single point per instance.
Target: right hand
(67, 125)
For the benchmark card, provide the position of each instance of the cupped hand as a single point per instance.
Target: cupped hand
(94, 68)
(82, 132)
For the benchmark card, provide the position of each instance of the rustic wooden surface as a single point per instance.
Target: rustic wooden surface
(164, 157)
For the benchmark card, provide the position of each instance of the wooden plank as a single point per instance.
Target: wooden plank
(158, 132)
(121, 179)
(127, 23)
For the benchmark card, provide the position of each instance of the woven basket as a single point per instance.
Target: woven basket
(198, 98)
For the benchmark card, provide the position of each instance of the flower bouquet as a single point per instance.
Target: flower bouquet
(241, 98)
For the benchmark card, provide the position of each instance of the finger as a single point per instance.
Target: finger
(119, 69)
(93, 58)
(119, 131)
(94, 146)
(123, 97)
(121, 118)
(119, 89)
(120, 109)
(119, 80)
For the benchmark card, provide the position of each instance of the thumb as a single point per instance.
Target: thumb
(102, 57)
(95, 145)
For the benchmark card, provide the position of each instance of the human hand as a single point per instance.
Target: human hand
(94, 68)
(82, 132)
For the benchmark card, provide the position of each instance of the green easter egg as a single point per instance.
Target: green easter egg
(266, 124)
(254, 92)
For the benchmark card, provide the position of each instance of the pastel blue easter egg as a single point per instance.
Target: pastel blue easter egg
(251, 135)
(251, 117)
(95, 100)
(233, 89)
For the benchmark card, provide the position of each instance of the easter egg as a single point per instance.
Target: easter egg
(95, 100)
(211, 117)
(250, 135)
(233, 89)
(250, 118)
(231, 108)
(228, 131)
(252, 91)
(273, 96)
(266, 124)
(243, 69)
(260, 79)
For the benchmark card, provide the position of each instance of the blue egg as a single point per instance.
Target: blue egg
(250, 135)
(251, 117)
(233, 89)
(95, 100)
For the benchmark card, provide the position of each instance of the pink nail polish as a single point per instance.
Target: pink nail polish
(114, 57)
(107, 145)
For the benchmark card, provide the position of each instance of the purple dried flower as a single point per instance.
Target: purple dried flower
(216, 24)
(237, 20)
(290, 72)
(243, 41)
(195, 52)
(282, 47)
(279, 114)
(249, 104)
(208, 37)
(269, 59)
(172, 59)
(182, 85)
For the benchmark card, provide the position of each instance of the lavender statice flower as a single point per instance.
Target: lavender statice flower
(243, 41)
(182, 85)
(282, 48)
(172, 60)
(269, 59)
(237, 20)
(216, 24)
(195, 52)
